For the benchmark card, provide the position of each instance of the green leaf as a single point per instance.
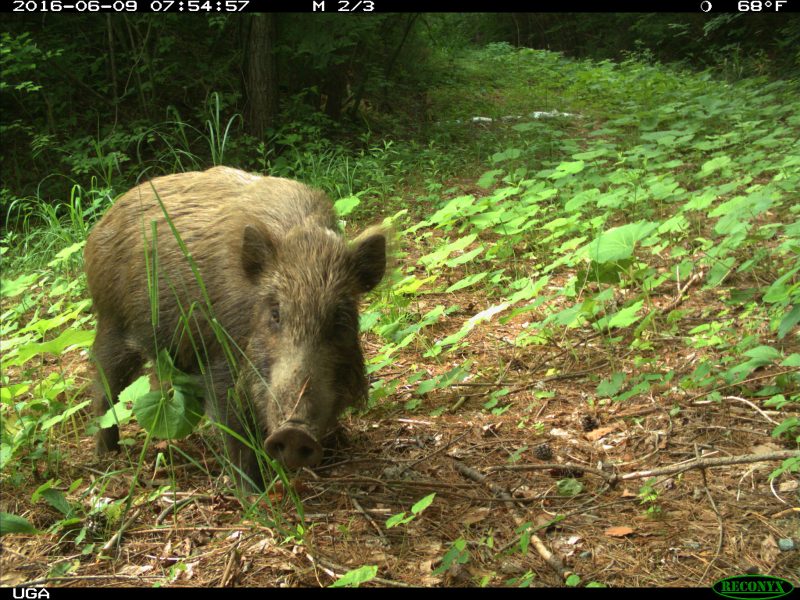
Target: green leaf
(345, 206)
(135, 390)
(466, 282)
(714, 164)
(793, 360)
(356, 577)
(764, 354)
(464, 258)
(487, 179)
(789, 321)
(457, 554)
(626, 316)
(567, 168)
(57, 500)
(454, 209)
(13, 524)
(120, 413)
(619, 243)
(439, 256)
(14, 287)
(759, 357)
(508, 154)
(569, 487)
(610, 387)
(423, 504)
(48, 423)
(398, 519)
(70, 338)
(173, 417)
(66, 253)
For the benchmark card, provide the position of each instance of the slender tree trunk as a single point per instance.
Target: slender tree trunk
(261, 81)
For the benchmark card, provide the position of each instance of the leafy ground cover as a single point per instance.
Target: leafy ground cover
(588, 347)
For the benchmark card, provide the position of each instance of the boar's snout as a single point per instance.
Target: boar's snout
(294, 447)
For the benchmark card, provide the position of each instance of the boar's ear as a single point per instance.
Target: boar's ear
(257, 251)
(369, 258)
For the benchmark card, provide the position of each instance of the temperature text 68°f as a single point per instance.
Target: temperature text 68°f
(761, 5)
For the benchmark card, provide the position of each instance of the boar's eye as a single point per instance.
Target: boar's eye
(275, 315)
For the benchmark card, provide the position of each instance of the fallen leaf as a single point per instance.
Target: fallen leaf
(595, 435)
(12, 578)
(764, 448)
(475, 516)
(135, 570)
(769, 550)
(620, 531)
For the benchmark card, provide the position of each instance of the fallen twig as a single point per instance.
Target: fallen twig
(116, 537)
(703, 463)
(609, 477)
(553, 561)
(370, 520)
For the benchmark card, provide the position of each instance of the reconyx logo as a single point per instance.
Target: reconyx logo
(746, 587)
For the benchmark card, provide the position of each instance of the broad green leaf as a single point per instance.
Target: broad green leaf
(530, 290)
(765, 354)
(440, 255)
(793, 360)
(454, 209)
(356, 577)
(487, 179)
(567, 168)
(714, 164)
(135, 390)
(423, 504)
(759, 357)
(48, 423)
(569, 487)
(345, 206)
(168, 418)
(69, 338)
(582, 198)
(508, 154)
(620, 242)
(610, 387)
(789, 321)
(13, 524)
(57, 500)
(398, 519)
(66, 253)
(626, 316)
(121, 412)
(14, 287)
(457, 554)
(464, 258)
(466, 282)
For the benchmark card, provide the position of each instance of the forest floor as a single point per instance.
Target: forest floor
(525, 458)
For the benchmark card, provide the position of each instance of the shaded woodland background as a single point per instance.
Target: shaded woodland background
(114, 96)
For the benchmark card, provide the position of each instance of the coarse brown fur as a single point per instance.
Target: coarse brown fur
(276, 275)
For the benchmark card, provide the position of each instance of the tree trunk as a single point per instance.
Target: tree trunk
(261, 84)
